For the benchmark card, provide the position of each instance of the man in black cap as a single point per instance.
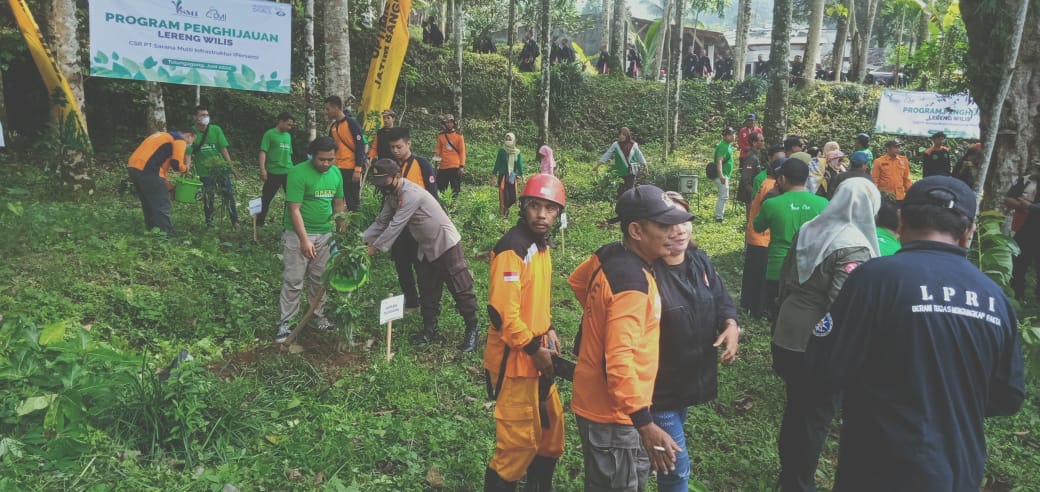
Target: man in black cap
(863, 145)
(924, 346)
(408, 205)
(618, 349)
(936, 159)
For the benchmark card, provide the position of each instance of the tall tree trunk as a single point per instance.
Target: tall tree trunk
(606, 18)
(310, 80)
(457, 35)
(896, 75)
(617, 41)
(812, 42)
(63, 26)
(864, 41)
(923, 33)
(1016, 139)
(677, 54)
(337, 49)
(776, 98)
(155, 117)
(74, 161)
(838, 53)
(661, 37)
(743, 24)
(543, 41)
(4, 132)
(510, 41)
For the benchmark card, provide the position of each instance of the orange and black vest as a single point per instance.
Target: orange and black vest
(620, 332)
(158, 153)
(521, 281)
(419, 171)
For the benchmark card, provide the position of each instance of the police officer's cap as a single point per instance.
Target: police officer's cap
(384, 171)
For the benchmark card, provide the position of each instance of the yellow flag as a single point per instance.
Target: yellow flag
(48, 68)
(386, 61)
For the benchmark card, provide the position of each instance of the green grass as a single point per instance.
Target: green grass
(333, 417)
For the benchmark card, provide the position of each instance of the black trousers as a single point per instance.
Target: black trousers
(351, 190)
(452, 177)
(155, 200)
(274, 181)
(627, 183)
(808, 413)
(403, 252)
(772, 291)
(752, 286)
(449, 269)
(210, 187)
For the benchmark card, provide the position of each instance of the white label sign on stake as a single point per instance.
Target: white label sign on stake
(391, 309)
(563, 220)
(255, 206)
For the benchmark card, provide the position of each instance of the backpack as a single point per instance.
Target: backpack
(711, 170)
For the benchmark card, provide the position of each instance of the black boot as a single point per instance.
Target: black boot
(495, 483)
(469, 339)
(430, 333)
(539, 474)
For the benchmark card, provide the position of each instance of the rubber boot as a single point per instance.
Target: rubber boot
(540, 474)
(495, 483)
(430, 333)
(469, 339)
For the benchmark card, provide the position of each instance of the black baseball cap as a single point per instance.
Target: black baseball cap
(893, 143)
(384, 171)
(751, 116)
(938, 135)
(728, 131)
(943, 191)
(651, 203)
(776, 166)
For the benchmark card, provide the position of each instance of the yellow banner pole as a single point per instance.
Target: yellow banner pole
(387, 60)
(49, 70)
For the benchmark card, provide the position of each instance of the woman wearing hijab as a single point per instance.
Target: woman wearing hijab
(627, 159)
(835, 167)
(824, 252)
(508, 165)
(545, 158)
(697, 317)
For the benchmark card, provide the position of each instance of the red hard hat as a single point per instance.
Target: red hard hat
(546, 187)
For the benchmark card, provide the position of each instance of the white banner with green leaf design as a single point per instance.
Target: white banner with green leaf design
(235, 44)
(922, 114)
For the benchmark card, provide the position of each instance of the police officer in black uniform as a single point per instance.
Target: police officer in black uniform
(925, 346)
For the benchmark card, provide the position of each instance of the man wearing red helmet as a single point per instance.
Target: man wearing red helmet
(520, 345)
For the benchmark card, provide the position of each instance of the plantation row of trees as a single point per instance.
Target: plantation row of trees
(938, 37)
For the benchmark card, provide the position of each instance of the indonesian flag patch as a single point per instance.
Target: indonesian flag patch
(849, 267)
(511, 277)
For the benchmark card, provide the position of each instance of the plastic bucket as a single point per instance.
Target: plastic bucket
(185, 189)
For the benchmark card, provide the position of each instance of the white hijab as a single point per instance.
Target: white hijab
(848, 221)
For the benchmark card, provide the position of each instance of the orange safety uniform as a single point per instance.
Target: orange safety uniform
(528, 412)
(420, 172)
(892, 175)
(753, 237)
(451, 148)
(620, 331)
(350, 143)
(158, 153)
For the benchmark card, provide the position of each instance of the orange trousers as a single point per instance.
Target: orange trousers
(519, 434)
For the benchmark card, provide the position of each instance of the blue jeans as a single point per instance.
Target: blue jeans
(672, 422)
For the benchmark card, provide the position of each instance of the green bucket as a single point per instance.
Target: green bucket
(185, 189)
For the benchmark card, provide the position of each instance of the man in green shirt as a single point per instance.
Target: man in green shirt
(275, 161)
(783, 215)
(314, 191)
(724, 163)
(863, 145)
(213, 165)
(887, 222)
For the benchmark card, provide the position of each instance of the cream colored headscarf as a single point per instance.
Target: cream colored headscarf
(511, 151)
(848, 221)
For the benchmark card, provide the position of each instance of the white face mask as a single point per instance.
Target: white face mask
(204, 120)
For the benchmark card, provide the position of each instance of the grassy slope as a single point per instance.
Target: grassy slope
(336, 415)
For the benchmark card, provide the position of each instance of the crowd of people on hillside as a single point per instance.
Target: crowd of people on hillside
(875, 312)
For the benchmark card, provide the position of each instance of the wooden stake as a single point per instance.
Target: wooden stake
(389, 338)
(563, 241)
(254, 228)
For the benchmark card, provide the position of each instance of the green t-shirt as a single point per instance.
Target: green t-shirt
(208, 157)
(783, 215)
(725, 151)
(315, 191)
(278, 147)
(887, 242)
(870, 157)
(759, 179)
